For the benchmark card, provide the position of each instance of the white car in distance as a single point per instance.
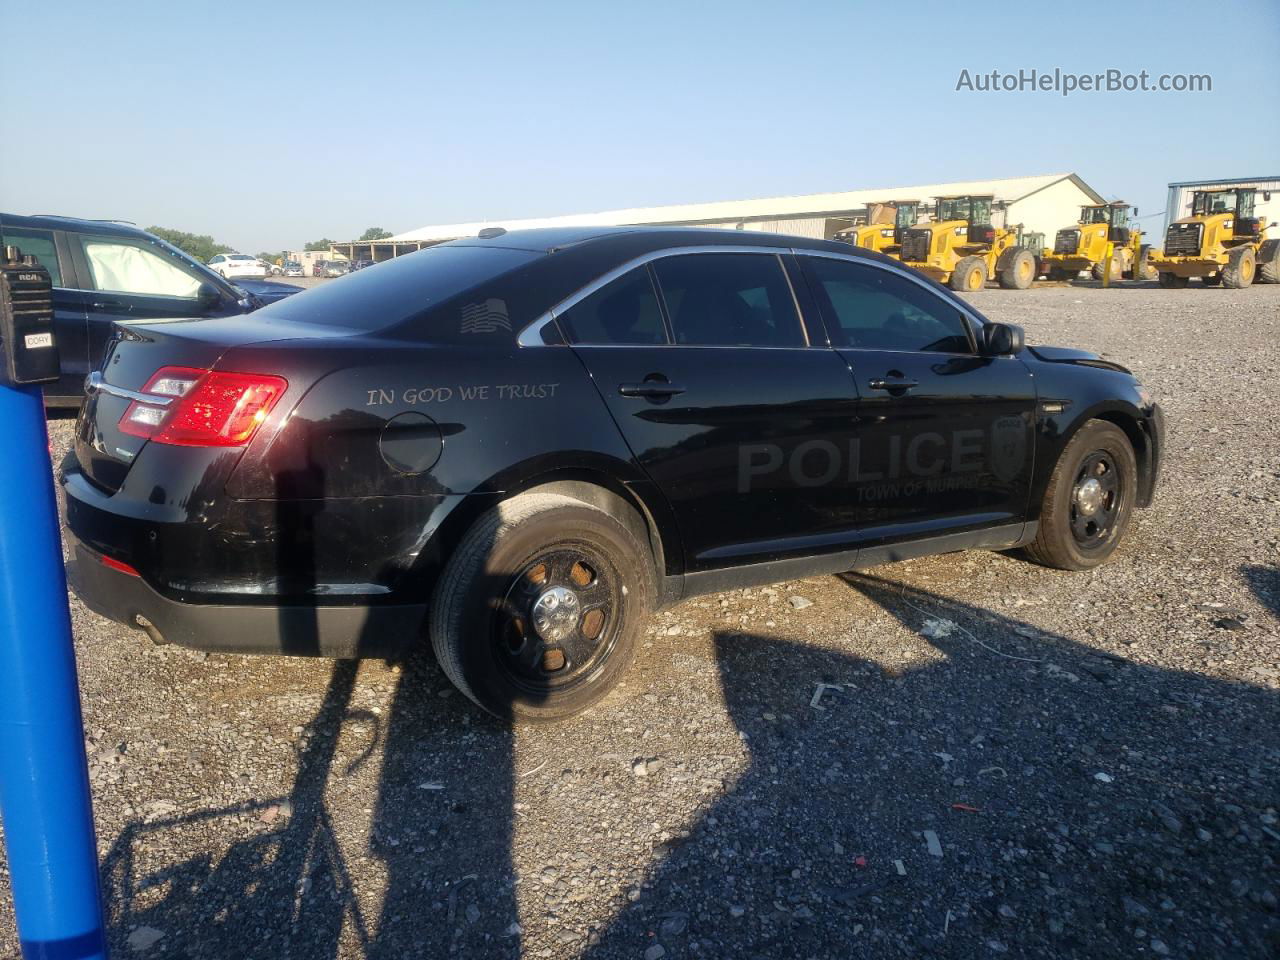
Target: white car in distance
(231, 265)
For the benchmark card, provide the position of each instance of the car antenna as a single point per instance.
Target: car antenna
(489, 233)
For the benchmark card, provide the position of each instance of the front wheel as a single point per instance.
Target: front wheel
(1019, 269)
(1089, 501)
(1171, 281)
(539, 611)
(969, 275)
(1241, 266)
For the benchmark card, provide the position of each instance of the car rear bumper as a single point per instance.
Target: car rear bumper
(347, 631)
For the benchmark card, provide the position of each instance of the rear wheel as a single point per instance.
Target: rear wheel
(1269, 262)
(1240, 268)
(1089, 501)
(1212, 281)
(1171, 281)
(1019, 269)
(969, 275)
(540, 609)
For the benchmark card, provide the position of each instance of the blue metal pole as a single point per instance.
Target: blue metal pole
(44, 780)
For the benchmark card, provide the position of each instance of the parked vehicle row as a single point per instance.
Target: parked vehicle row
(1222, 242)
(106, 273)
(527, 443)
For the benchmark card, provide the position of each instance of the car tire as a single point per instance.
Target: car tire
(969, 275)
(502, 626)
(1171, 281)
(1240, 269)
(1269, 262)
(1089, 501)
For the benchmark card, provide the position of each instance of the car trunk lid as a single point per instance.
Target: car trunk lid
(105, 451)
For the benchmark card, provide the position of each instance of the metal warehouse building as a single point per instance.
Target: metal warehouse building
(1267, 205)
(1041, 204)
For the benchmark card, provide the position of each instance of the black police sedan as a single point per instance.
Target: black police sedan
(104, 271)
(525, 443)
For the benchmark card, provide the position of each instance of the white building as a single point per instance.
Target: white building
(1266, 205)
(1041, 204)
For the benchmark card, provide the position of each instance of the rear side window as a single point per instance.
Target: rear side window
(729, 299)
(126, 268)
(401, 289)
(38, 243)
(873, 309)
(623, 311)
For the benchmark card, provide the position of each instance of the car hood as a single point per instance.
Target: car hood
(1082, 358)
(268, 291)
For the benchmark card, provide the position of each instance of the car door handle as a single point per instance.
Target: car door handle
(892, 383)
(650, 388)
(107, 304)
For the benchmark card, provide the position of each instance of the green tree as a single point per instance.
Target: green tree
(201, 246)
(319, 244)
(374, 233)
(271, 258)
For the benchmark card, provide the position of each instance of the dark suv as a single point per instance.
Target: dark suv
(104, 271)
(522, 444)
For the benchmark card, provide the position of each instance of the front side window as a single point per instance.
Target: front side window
(874, 309)
(37, 243)
(125, 268)
(729, 299)
(624, 310)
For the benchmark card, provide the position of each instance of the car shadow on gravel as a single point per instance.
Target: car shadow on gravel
(286, 889)
(1265, 584)
(1082, 805)
(1042, 798)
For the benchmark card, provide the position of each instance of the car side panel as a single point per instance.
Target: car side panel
(1072, 394)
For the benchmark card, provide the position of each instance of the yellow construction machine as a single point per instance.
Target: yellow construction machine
(884, 236)
(1222, 242)
(1102, 227)
(963, 249)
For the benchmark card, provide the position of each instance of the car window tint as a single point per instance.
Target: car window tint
(875, 309)
(125, 268)
(731, 299)
(623, 311)
(38, 243)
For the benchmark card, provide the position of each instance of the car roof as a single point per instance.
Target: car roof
(554, 239)
(45, 221)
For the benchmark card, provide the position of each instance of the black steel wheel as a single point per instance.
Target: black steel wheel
(539, 610)
(1089, 500)
(558, 619)
(1096, 500)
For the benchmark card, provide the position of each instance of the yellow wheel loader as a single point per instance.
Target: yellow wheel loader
(1101, 227)
(886, 236)
(1222, 242)
(961, 248)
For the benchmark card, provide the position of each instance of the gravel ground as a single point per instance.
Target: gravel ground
(1004, 759)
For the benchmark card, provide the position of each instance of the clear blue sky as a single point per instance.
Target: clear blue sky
(269, 124)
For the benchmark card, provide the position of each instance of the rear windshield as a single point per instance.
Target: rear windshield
(401, 288)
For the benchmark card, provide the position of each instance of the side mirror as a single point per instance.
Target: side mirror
(1002, 339)
(208, 296)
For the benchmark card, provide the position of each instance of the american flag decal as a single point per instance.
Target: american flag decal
(487, 317)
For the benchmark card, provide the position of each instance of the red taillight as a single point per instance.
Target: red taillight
(119, 565)
(210, 408)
